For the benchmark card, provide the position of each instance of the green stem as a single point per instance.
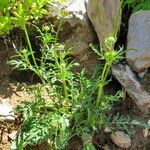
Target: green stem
(116, 22)
(29, 44)
(59, 68)
(55, 48)
(101, 84)
(32, 54)
(66, 94)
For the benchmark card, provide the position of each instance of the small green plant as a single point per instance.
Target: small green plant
(19, 13)
(137, 5)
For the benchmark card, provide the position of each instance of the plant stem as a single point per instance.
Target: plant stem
(55, 48)
(102, 83)
(32, 54)
(66, 94)
(100, 86)
(59, 67)
(116, 22)
(29, 44)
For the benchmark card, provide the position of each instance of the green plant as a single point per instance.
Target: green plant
(64, 102)
(109, 55)
(137, 5)
(19, 13)
(70, 98)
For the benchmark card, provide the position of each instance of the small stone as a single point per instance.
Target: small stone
(106, 147)
(121, 139)
(6, 111)
(12, 135)
(107, 130)
(10, 118)
(142, 73)
(145, 132)
(148, 122)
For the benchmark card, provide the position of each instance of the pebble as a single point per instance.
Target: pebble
(145, 133)
(148, 122)
(121, 139)
(107, 130)
(106, 147)
(6, 111)
(12, 135)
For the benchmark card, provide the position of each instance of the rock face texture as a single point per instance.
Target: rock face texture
(77, 33)
(102, 14)
(126, 77)
(139, 41)
(121, 139)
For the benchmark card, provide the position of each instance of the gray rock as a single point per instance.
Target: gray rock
(127, 78)
(142, 73)
(102, 14)
(76, 32)
(138, 41)
(121, 139)
(6, 111)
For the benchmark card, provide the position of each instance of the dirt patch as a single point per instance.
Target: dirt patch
(10, 90)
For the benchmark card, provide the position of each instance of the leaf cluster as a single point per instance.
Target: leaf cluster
(137, 5)
(13, 13)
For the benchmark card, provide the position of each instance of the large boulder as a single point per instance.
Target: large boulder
(77, 32)
(102, 14)
(133, 87)
(139, 41)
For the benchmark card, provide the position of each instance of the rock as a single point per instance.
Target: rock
(107, 130)
(106, 147)
(138, 41)
(6, 111)
(102, 14)
(148, 122)
(127, 78)
(77, 32)
(121, 139)
(142, 73)
(12, 135)
(145, 133)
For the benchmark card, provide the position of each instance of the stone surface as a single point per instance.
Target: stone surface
(127, 78)
(102, 14)
(12, 135)
(6, 111)
(77, 32)
(138, 41)
(121, 139)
